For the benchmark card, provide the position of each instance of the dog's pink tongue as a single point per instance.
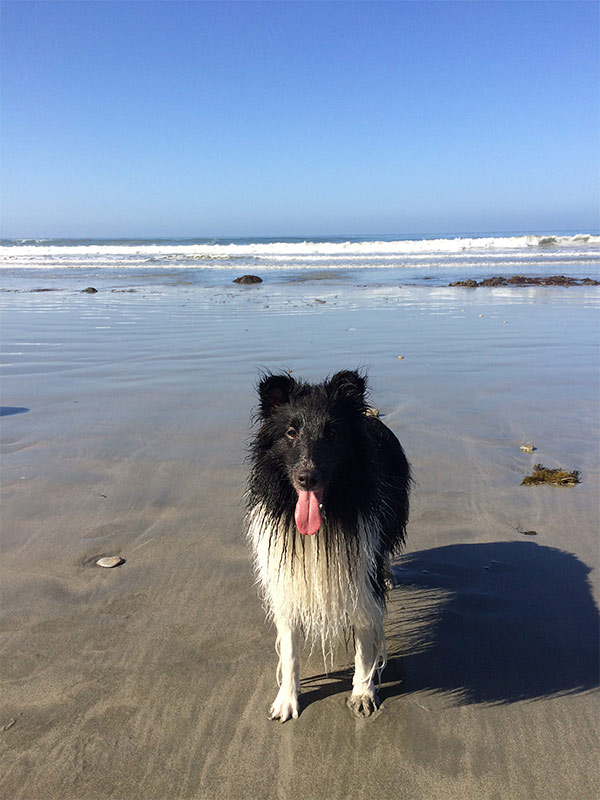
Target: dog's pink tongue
(308, 514)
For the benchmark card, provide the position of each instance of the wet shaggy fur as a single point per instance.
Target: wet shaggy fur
(319, 587)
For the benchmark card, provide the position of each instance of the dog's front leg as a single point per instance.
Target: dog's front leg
(368, 641)
(286, 703)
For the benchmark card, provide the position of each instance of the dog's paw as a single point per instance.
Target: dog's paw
(363, 705)
(286, 706)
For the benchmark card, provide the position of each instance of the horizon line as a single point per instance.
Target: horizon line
(443, 234)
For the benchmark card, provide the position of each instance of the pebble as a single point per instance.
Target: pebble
(400, 357)
(110, 561)
(527, 448)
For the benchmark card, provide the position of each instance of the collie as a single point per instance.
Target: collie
(327, 504)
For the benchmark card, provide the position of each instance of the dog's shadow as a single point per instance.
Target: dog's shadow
(486, 623)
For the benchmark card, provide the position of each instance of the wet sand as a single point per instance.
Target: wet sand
(125, 423)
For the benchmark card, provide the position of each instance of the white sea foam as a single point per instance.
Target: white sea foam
(285, 250)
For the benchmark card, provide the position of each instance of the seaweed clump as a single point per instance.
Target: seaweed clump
(524, 280)
(555, 477)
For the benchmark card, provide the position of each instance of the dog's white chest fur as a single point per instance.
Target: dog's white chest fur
(323, 587)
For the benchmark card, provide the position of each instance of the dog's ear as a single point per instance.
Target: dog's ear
(274, 391)
(348, 386)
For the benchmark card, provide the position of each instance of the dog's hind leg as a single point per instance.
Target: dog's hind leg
(369, 643)
(286, 704)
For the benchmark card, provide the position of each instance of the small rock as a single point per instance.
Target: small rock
(498, 280)
(469, 283)
(400, 357)
(89, 290)
(527, 448)
(110, 561)
(248, 279)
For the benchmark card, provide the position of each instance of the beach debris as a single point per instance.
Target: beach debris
(527, 448)
(468, 283)
(110, 561)
(524, 280)
(318, 300)
(372, 412)
(89, 290)
(497, 281)
(8, 725)
(481, 315)
(247, 279)
(400, 357)
(527, 533)
(555, 477)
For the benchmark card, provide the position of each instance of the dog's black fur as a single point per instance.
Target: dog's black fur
(320, 434)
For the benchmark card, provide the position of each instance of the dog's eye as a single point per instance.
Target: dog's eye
(291, 433)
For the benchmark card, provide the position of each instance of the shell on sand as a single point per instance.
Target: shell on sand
(110, 561)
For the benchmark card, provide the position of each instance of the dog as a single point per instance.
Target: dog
(327, 506)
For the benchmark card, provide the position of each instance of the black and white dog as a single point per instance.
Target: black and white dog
(327, 506)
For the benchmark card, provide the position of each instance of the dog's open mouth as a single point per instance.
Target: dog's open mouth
(308, 512)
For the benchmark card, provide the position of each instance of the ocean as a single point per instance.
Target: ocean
(434, 260)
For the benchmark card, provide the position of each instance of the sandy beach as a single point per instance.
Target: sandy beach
(125, 422)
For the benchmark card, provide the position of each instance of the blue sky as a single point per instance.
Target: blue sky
(298, 118)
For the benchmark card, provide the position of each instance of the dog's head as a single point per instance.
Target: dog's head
(311, 431)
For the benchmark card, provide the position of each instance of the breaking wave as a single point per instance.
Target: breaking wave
(293, 249)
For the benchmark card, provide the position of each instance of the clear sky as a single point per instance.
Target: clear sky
(273, 118)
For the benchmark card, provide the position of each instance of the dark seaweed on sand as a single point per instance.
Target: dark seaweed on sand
(524, 280)
(555, 477)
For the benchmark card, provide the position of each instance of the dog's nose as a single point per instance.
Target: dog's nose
(307, 479)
